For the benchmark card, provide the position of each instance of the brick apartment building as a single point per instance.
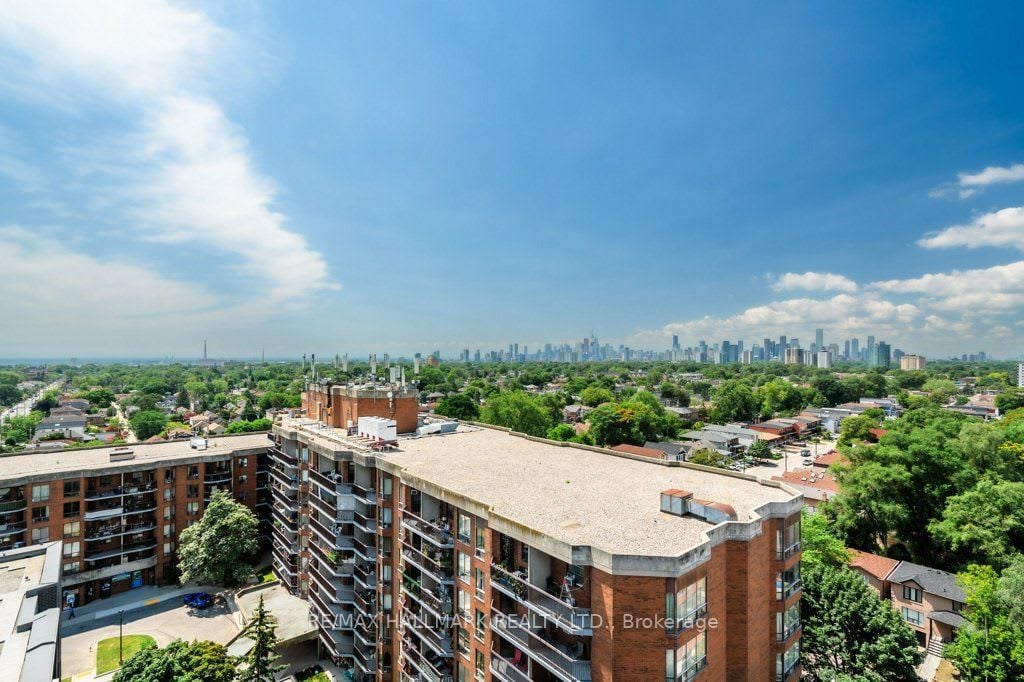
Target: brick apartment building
(481, 554)
(118, 511)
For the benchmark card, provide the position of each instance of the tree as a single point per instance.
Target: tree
(734, 401)
(148, 423)
(518, 411)
(596, 395)
(1010, 591)
(258, 665)
(819, 544)
(459, 406)
(708, 458)
(778, 395)
(851, 634)
(562, 432)
(218, 548)
(760, 449)
(100, 397)
(251, 426)
(987, 521)
(1010, 400)
(179, 662)
(989, 645)
(856, 428)
(635, 421)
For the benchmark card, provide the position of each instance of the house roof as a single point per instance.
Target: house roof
(947, 617)
(828, 459)
(931, 580)
(872, 564)
(654, 453)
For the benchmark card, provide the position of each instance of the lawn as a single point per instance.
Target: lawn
(268, 575)
(318, 677)
(107, 651)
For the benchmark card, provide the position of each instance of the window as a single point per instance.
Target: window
(41, 493)
(912, 594)
(465, 527)
(690, 659)
(575, 574)
(168, 512)
(787, 541)
(72, 529)
(913, 616)
(464, 567)
(464, 604)
(786, 663)
(40, 535)
(387, 516)
(242, 479)
(192, 508)
(193, 471)
(72, 509)
(168, 494)
(168, 547)
(481, 624)
(686, 605)
(787, 583)
(463, 640)
(72, 488)
(304, 454)
(787, 622)
(386, 601)
(242, 462)
(40, 514)
(192, 491)
(480, 582)
(106, 481)
(72, 549)
(481, 539)
(386, 487)
(480, 666)
(168, 530)
(71, 567)
(524, 553)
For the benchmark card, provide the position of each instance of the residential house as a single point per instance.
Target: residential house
(783, 429)
(930, 601)
(70, 426)
(653, 453)
(815, 485)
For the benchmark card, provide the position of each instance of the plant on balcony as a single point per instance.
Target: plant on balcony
(334, 557)
(221, 546)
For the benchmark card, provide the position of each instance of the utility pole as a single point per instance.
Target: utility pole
(120, 636)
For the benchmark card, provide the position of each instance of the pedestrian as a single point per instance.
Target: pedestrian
(72, 613)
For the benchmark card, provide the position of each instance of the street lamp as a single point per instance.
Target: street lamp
(120, 636)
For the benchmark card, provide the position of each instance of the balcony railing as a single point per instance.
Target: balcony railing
(333, 537)
(552, 656)
(367, 495)
(116, 530)
(788, 631)
(571, 618)
(440, 566)
(104, 513)
(365, 522)
(332, 481)
(329, 508)
(436, 637)
(131, 549)
(437, 671)
(785, 590)
(784, 553)
(11, 529)
(434, 534)
(504, 670)
(364, 549)
(439, 605)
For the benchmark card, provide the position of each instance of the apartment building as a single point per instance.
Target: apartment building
(119, 510)
(486, 555)
(30, 613)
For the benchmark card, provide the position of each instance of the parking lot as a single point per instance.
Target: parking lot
(793, 459)
(165, 622)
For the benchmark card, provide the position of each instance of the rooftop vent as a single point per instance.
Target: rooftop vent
(682, 502)
(121, 454)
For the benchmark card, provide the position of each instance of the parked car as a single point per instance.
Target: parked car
(198, 600)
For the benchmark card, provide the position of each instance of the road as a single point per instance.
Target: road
(792, 460)
(26, 405)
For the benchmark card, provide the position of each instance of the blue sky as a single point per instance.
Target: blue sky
(404, 177)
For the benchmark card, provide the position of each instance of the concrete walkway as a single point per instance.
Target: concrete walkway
(139, 598)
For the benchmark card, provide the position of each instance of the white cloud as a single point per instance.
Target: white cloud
(999, 228)
(996, 290)
(968, 184)
(814, 281)
(183, 173)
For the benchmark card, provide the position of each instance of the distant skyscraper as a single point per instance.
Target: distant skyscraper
(675, 342)
(819, 339)
(882, 355)
(1020, 375)
(869, 350)
(855, 348)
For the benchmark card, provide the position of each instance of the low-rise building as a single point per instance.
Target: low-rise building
(30, 603)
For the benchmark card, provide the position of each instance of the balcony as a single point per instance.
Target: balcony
(436, 535)
(366, 602)
(364, 654)
(570, 618)
(12, 506)
(364, 494)
(332, 537)
(337, 643)
(438, 604)
(11, 529)
(138, 507)
(217, 477)
(436, 637)
(329, 508)
(556, 658)
(365, 549)
(784, 553)
(504, 670)
(437, 564)
(430, 667)
(331, 481)
(106, 532)
(278, 453)
(130, 549)
(332, 563)
(788, 631)
(365, 522)
(103, 513)
(365, 574)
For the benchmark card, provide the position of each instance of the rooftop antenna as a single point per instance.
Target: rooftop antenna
(403, 376)
(204, 350)
(373, 365)
(303, 363)
(344, 363)
(312, 365)
(387, 363)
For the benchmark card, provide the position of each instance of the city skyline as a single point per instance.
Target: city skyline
(366, 177)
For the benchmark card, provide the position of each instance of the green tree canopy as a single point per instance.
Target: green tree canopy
(179, 662)
(459, 406)
(635, 421)
(849, 633)
(148, 423)
(734, 401)
(987, 522)
(218, 548)
(596, 395)
(259, 664)
(989, 646)
(518, 411)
